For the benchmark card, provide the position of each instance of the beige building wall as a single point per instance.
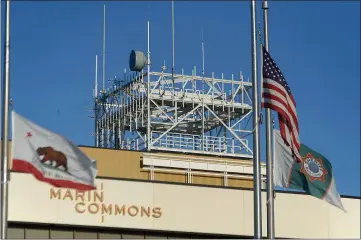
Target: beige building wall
(127, 164)
(115, 163)
(182, 208)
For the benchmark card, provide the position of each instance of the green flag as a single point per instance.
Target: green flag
(313, 175)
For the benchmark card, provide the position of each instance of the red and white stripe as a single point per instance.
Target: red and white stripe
(276, 97)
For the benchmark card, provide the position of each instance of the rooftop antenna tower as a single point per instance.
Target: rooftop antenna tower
(144, 110)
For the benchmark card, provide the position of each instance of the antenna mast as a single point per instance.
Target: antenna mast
(104, 52)
(96, 77)
(202, 41)
(148, 136)
(173, 42)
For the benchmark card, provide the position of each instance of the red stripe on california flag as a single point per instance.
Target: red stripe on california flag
(27, 167)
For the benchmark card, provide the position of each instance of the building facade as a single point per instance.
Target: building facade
(168, 195)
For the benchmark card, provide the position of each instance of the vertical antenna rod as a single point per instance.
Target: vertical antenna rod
(149, 134)
(269, 160)
(104, 51)
(256, 139)
(202, 52)
(5, 128)
(173, 42)
(96, 77)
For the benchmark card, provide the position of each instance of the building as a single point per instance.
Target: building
(144, 194)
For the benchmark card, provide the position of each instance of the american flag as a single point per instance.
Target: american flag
(277, 95)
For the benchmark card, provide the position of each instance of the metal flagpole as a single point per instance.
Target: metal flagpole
(269, 161)
(5, 128)
(173, 44)
(256, 140)
(96, 103)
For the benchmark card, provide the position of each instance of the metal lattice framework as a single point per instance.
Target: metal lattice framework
(151, 110)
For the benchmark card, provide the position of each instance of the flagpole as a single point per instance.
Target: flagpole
(173, 44)
(5, 128)
(269, 162)
(256, 141)
(96, 103)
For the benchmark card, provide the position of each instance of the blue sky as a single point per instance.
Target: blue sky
(316, 45)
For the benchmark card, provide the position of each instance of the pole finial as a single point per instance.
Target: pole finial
(265, 4)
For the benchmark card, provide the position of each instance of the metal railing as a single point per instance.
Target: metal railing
(190, 142)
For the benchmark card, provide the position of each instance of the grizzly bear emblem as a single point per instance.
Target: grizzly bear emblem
(53, 156)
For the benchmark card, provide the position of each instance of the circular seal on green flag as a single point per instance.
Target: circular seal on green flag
(313, 168)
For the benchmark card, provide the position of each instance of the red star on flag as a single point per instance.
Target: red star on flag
(28, 134)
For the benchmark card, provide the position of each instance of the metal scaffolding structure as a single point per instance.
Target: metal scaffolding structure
(149, 110)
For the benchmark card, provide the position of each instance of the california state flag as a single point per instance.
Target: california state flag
(49, 156)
